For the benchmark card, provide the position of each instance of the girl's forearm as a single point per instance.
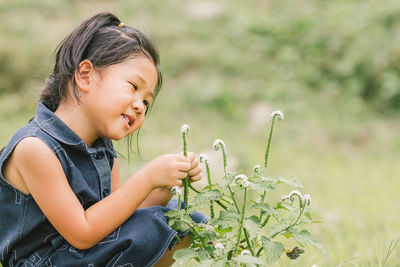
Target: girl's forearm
(106, 215)
(157, 197)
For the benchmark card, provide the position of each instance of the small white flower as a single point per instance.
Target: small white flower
(217, 143)
(204, 158)
(220, 246)
(243, 178)
(245, 252)
(256, 168)
(246, 183)
(185, 129)
(176, 190)
(307, 199)
(314, 265)
(279, 114)
(295, 192)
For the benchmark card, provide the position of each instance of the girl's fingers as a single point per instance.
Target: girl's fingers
(183, 166)
(196, 178)
(191, 156)
(195, 171)
(195, 163)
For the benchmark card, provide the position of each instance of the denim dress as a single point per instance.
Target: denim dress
(28, 239)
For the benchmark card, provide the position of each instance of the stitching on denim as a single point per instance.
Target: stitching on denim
(5, 248)
(49, 263)
(116, 232)
(63, 247)
(47, 237)
(162, 251)
(118, 257)
(44, 123)
(76, 252)
(56, 150)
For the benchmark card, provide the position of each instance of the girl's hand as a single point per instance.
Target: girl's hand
(195, 169)
(167, 170)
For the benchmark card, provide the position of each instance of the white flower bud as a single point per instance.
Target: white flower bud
(220, 246)
(185, 129)
(307, 199)
(295, 192)
(217, 143)
(256, 169)
(176, 190)
(204, 158)
(279, 114)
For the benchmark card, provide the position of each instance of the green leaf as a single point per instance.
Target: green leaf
(248, 259)
(264, 185)
(227, 218)
(292, 182)
(305, 238)
(273, 250)
(285, 205)
(180, 226)
(173, 213)
(252, 227)
(184, 255)
(203, 199)
(266, 209)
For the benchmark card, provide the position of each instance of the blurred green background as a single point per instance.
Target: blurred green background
(333, 68)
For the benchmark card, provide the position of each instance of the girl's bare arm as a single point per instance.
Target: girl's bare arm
(46, 182)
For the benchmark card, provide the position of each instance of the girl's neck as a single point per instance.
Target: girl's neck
(74, 117)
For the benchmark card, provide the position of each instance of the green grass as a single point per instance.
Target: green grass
(224, 74)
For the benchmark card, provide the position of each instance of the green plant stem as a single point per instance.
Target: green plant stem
(194, 231)
(271, 129)
(209, 184)
(186, 180)
(239, 233)
(265, 221)
(179, 202)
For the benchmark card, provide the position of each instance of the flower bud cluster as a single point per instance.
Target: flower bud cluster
(256, 169)
(305, 200)
(204, 158)
(244, 180)
(185, 129)
(220, 246)
(176, 190)
(279, 114)
(217, 143)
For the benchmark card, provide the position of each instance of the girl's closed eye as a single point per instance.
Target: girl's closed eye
(134, 86)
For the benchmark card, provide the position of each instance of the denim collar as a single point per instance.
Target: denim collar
(56, 128)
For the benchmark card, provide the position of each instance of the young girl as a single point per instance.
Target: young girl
(62, 200)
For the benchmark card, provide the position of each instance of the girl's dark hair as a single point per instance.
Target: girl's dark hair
(103, 40)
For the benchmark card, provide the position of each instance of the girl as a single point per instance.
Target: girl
(62, 200)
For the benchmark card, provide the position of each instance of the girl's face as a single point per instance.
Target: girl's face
(119, 97)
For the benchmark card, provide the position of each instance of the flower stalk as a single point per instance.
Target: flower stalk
(239, 233)
(204, 159)
(184, 131)
(276, 114)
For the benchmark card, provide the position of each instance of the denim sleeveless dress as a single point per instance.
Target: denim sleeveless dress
(28, 239)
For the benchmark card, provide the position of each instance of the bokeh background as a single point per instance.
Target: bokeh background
(333, 68)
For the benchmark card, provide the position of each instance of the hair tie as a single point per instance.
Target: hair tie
(121, 25)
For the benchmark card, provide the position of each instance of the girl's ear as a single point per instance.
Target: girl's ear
(83, 75)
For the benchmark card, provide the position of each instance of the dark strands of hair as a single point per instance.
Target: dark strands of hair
(104, 41)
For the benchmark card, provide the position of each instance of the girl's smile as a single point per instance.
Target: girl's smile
(128, 120)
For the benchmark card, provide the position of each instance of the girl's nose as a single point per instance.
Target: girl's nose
(138, 106)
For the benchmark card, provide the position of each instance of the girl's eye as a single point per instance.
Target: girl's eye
(134, 86)
(146, 103)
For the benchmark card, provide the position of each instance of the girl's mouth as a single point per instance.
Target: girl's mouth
(128, 119)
